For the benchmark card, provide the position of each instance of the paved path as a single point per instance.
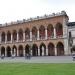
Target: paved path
(44, 59)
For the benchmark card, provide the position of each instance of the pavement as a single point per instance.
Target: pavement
(39, 59)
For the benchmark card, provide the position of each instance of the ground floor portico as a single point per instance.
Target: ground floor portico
(34, 49)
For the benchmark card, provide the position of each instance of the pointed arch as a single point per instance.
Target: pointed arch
(35, 50)
(8, 36)
(20, 34)
(51, 51)
(50, 30)
(42, 32)
(34, 33)
(8, 51)
(3, 50)
(3, 37)
(14, 35)
(60, 48)
(27, 49)
(27, 34)
(20, 48)
(14, 50)
(42, 49)
(59, 30)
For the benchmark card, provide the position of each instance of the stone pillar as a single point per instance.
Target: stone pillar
(5, 52)
(31, 52)
(17, 37)
(46, 51)
(55, 51)
(24, 52)
(30, 35)
(11, 38)
(46, 33)
(38, 51)
(14, 50)
(38, 35)
(23, 36)
(54, 32)
(5, 38)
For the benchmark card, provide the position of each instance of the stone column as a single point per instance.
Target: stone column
(17, 37)
(55, 51)
(11, 38)
(37, 34)
(54, 32)
(38, 51)
(46, 51)
(5, 38)
(24, 52)
(31, 52)
(23, 36)
(30, 35)
(14, 50)
(46, 33)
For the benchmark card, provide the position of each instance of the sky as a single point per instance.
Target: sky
(13, 10)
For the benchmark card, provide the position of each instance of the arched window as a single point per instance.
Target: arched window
(42, 32)
(14, 35)
(27, 34)
(3, 37)
(50, 31)
(8, 36)
(20, 34)
(59, 30)
(34, 33)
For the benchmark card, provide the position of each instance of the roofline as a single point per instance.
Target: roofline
(62, 13)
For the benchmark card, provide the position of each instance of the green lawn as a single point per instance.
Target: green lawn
(37, 69)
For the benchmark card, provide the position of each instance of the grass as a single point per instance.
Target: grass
(37, 69)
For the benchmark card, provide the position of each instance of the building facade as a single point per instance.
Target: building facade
(71, 36)
(40, 36)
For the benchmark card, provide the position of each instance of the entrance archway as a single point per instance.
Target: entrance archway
(51, 51)
(34, 50)
(8, 51)
(20, 50)
(27, 49)
(14, 50)
(2, 51)
(42, 49)
(60, 49)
